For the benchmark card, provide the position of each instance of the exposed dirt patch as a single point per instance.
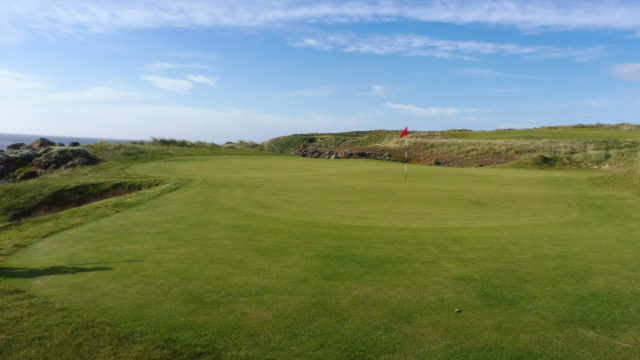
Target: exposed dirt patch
(79, 195)
(423, 157)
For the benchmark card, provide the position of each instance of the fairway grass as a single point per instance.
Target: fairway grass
(279, 257)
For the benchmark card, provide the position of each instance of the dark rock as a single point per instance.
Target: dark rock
(31, 173)
(5, 167)
(64, 157)
(16, 146)
(59, 144)
(74, 144)
(41, 144)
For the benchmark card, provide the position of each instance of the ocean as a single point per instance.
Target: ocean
(8, 139)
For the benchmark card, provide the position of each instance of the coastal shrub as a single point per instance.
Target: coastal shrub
(242, 144)
(171, 142)
(107, 151)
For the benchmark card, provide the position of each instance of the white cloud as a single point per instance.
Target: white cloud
(482, 72)
(203, 80)
(16, 86)
(421, 45)
(528, 15)
(161, 66)
(15, 81)
(627, 72)
(98, 94)
(420, 111)
(378, 90)
(178, 86)
(310, 92)
(35, 106)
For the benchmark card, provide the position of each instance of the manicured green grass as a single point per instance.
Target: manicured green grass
(280, 257)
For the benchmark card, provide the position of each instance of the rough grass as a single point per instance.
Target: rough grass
(577, 132)
(596, 145)
(36, 329)
(279, 257)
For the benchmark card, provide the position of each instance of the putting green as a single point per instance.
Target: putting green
(374, 194)
(280, 257)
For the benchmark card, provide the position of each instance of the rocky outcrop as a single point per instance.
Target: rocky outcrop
(416, 155)
(20, 158)
(16, 146)
(41, 143)
(322, 152)
(22, 162)
(63, 157)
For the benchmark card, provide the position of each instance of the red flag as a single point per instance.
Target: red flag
(405, 132)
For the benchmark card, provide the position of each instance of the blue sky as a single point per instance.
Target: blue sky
(229, 70)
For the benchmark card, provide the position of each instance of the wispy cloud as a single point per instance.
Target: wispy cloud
(421, 45)
(527, 15)
(178, 86)
(142, 121)
(16, 86)
(13, 81)
(627, 71)
(98, 94)
(213, 82)
(162, 66)
(482, 73)
(173, 84)
(310, 92)
(421, 111)
(378, 90)
(35, 105)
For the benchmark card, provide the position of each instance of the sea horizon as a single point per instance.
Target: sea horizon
(7, 139)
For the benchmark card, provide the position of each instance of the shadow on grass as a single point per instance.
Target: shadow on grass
(26, 273)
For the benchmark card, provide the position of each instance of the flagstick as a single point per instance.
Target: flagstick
(406, 146)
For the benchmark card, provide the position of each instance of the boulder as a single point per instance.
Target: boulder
(20, 158)
(16, 146)
(66, 157)
(74, 144)
(59, 144)
(41, 143)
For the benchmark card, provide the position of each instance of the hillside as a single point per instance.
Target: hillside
(597, 145)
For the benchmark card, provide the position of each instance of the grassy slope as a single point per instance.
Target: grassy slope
(33, 328)
(550, 133)
(588, 146)
(285, 144)
(280, 257)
